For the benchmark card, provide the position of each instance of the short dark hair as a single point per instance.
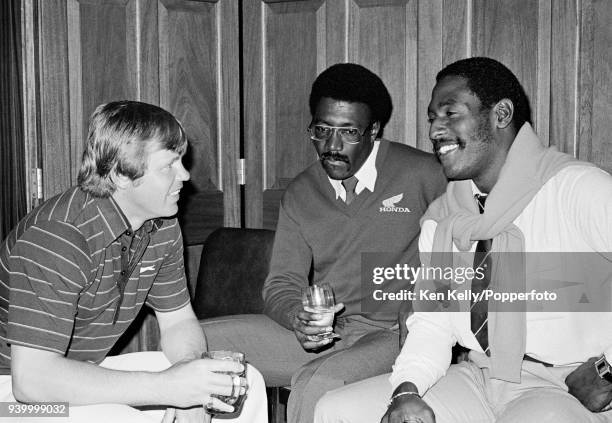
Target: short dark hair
(355, 84)
(120, 135)
(491, 81)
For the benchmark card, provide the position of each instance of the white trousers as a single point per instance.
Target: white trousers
(255, 408)
(467, 395)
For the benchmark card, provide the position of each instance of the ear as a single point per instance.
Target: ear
(374, 129)
(504, 112)
(120, 181)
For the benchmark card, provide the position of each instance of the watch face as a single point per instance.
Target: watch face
(603, 368)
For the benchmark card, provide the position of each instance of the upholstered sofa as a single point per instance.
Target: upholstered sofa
(233, 267)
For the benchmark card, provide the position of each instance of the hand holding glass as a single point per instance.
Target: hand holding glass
(236, 398)
(319, 299)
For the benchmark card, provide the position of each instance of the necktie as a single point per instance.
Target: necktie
(349, 185)
(479, 309)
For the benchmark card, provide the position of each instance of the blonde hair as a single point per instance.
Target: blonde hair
(119, 139)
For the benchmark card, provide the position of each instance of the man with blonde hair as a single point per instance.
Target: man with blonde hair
(75, 272)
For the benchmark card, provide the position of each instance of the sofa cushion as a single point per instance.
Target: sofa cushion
(233, 267)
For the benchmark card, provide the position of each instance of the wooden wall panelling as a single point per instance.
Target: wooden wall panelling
(584, 87)
(54, 97)
(199, 83)
(252, 98)
(563, 75)
(333, 34)
(292, 60)
(229, 109)
(541, 108)
(429, 62)
(283, 54)
(382, 36)
(147, 72)
(456, 20)
(77, 117)
(103, 64)
(594, 84)
(31, 96)
(507, 30)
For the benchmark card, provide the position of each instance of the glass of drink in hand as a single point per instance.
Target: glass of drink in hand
(236, 398)
(319, 299)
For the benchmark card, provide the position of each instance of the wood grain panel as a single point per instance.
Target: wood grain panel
(107, 58)
(290, 68)
(563, 74)
(429, 47)
(541, 109)
(455, 30)
(381, 37)
(283, 56)
(54, 99)
(78, 119)
(585, 81)
(252, 104)
(336, 16)
(229, 108)
(31, 96)
(199, 82)
(601, 147)
(148, 71)
(507, 30)
(188, 85)
(103, 65)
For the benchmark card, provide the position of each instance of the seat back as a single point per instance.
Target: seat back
(233, 267)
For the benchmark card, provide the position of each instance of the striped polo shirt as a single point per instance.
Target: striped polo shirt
(73, 276)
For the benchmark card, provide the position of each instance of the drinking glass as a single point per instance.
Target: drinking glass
(320, 299)
(236, 399)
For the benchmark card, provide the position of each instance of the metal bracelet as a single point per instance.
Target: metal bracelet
(401, 394)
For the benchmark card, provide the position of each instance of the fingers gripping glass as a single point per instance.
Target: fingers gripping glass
(348, 134)
(319, 299)
(239, 384)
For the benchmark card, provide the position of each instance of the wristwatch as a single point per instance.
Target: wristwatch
(603, 369)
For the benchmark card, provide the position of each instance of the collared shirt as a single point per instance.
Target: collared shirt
(477, 191)
(570, 213)
(71, 281)
(366, 176)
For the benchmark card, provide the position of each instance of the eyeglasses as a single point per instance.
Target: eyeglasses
(348, 134)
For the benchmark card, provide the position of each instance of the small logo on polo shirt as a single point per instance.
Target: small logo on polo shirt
(389, 205)
(147, 268)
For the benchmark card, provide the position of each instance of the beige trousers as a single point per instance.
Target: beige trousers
(467, 395)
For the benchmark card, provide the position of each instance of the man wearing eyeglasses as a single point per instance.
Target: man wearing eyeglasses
(364, 194)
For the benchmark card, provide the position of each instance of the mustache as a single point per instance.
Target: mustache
(334, 156)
